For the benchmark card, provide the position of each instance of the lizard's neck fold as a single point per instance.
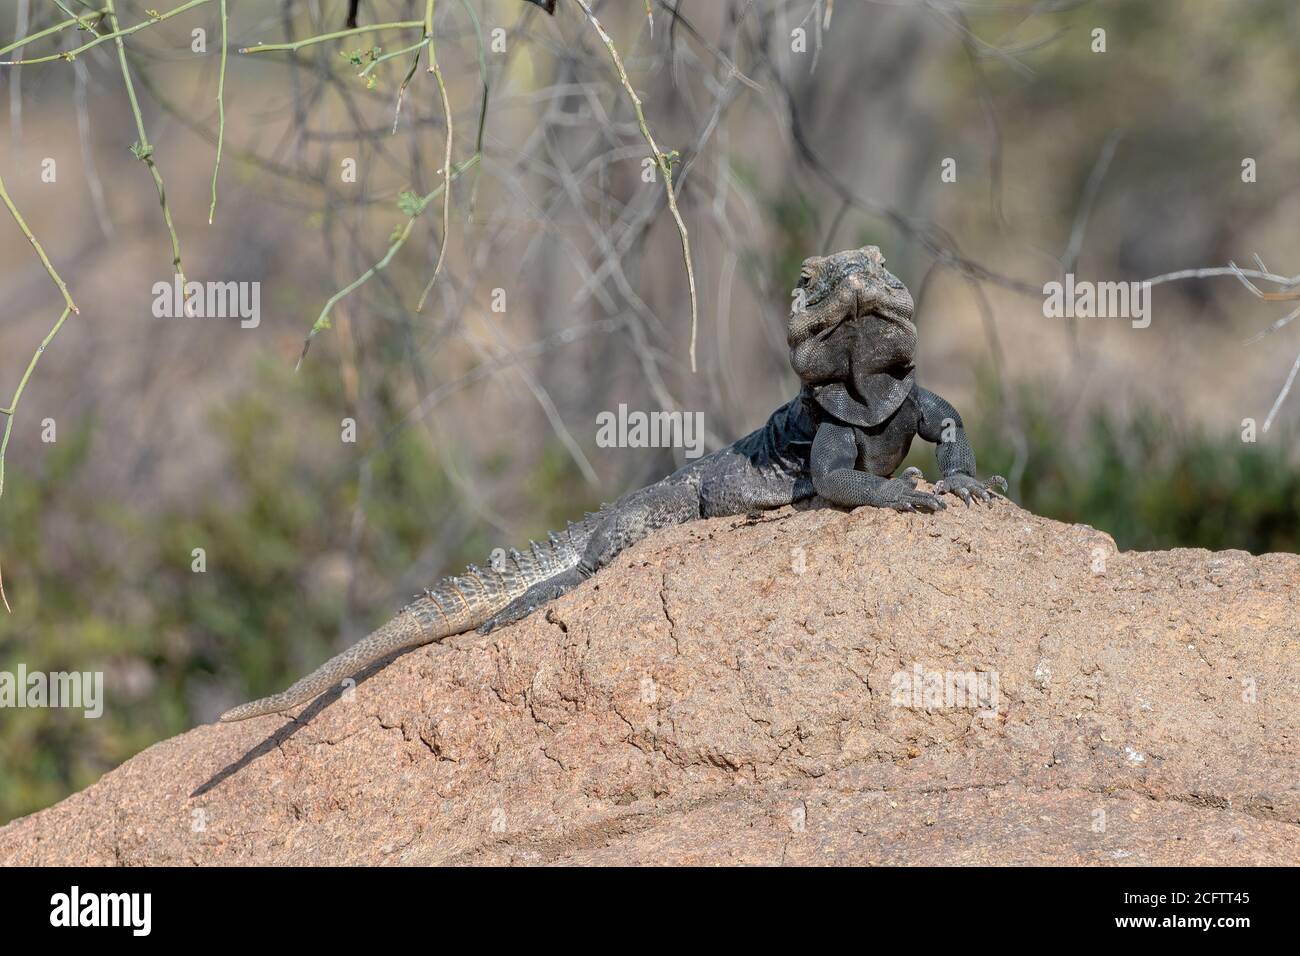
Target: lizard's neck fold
(874, 399)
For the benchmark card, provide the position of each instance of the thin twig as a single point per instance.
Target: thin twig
(221, 112)
(483, 106)
(1287, 296)
(40, 251)
(699, 38)
(664, 162)
(57, 28)
(116, 35)
(325, 37)
(12, 410)
(1281, 396)
(83, 23)
(446, 157)
(322, 321)
(10, 413)
(413, 48)
(69, 308)
(1070, 257)
(142, 150)
(1213, 271)
(406, 81)
(1276, 326)
(1289, 292)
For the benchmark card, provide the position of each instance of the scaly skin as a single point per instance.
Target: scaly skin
(455, 605)
(851, 339)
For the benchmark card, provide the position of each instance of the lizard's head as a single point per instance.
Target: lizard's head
(851, 324)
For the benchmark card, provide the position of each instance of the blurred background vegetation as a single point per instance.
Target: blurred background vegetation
(476, 428)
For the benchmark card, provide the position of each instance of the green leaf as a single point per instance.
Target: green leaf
(410, 203)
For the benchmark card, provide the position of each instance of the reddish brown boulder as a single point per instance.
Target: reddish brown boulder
(737, 692)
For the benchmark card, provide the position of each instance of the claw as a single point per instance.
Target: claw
(498, 620)
(925, 501)
(911, 475)
(966, 487)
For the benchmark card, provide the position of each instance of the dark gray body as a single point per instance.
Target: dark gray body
(803, 450)
(773, 466)
(768, 468)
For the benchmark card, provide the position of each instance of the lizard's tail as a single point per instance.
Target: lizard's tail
(456, 605)
(401, 632)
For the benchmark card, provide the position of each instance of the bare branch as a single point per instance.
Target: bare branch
(663, 160)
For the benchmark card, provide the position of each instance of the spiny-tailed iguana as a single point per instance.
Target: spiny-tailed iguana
(852, 342)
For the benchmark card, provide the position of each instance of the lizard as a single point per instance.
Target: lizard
(852, 341)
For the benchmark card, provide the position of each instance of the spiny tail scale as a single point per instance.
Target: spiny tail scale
(455, 605)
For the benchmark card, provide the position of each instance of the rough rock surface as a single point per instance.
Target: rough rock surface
(726, 693)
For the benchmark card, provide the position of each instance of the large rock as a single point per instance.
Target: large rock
(737, 692)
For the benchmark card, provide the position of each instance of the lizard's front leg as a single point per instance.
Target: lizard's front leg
(834, 454)
(941, 424)
(626, 523)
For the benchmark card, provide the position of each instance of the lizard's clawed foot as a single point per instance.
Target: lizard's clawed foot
(528, 602)
(900, 494)
(965, 487)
